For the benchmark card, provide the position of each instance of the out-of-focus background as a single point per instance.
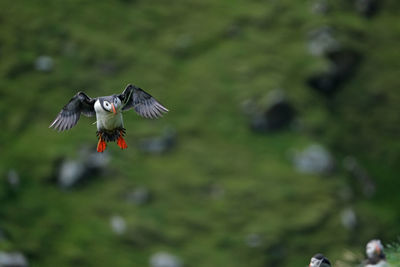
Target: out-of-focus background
(282, 138)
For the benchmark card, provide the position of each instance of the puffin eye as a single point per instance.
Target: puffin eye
(107, 104)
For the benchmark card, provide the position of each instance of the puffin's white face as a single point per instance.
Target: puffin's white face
(318, 263)
(374, 248)
(315, 262)
(108, 104)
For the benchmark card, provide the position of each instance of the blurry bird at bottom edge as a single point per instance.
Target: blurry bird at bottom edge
(319, 260)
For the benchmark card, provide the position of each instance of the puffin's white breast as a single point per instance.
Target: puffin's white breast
(381, 263)
(107, 120)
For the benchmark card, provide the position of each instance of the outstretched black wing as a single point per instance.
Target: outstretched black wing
(143, 103)
(69, 115)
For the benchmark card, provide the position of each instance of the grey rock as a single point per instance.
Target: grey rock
(253, 240)
(164, 259)
(44, 64)
(321, 41)
(159, 144)
(12, 259)
(13, 178)
(88, 163)
(278, 114)
(118, 224)
(139, 196)
(71, 172)
(313, 159)
(367, 8)
(344, 64)
(320, 7)
(94, 160)
(348, 218)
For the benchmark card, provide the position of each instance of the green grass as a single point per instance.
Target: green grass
(202, 60)
(393, 254)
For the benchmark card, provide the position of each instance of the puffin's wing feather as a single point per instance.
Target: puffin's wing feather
(143, 103)
(69, 115)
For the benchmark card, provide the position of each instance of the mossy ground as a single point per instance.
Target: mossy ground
(201, 59)
(393, 254)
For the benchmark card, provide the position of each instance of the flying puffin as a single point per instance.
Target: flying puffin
(375, 255)
(319, 260)
(108, 111)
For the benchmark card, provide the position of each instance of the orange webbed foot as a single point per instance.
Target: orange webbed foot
(101, 145)
(121, 142)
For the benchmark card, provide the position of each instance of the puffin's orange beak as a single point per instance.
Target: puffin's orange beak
(378, 249)
(113, 107)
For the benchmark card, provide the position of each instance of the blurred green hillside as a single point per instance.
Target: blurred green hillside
(224, 194)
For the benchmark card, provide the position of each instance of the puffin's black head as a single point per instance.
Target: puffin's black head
(319, 260)
(110, 103)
